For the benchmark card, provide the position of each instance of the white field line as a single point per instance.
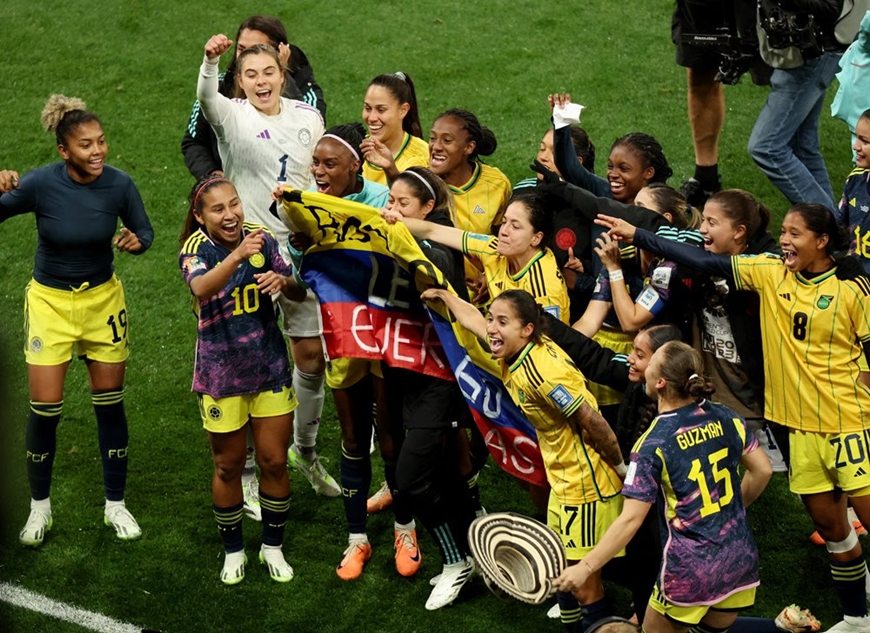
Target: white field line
(26, 599)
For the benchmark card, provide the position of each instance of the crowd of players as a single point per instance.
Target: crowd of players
(670, 303)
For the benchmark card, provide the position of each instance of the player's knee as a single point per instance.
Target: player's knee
(272, 463)
(843, 546)
(228, 469)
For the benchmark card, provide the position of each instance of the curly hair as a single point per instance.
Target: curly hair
(63, 114)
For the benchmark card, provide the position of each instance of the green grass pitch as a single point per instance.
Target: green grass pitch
(136, 64)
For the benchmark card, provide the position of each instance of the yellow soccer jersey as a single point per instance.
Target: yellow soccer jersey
(413, 153)
(548, 388)
(481, 202)
(810, 330)
(540, 277)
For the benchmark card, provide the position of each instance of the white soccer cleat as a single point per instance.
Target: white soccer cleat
(554, 612)
(38, 523)
(279, 569)
(322, 482)
(251, 494)
(851, 624)
(452, 580)
(233, 571)
(118, 516)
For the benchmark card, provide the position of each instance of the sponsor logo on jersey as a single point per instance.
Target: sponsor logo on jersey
(304, 137)
(478, 210)
(265, 134)
(824, 301)
(257, 260)
(865, 208)
(215, 413)
(786, 296)
(561, 397)
(852, 202)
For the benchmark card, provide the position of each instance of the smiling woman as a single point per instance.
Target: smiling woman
(75, 304)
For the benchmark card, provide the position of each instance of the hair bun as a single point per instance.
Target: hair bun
(56, 108)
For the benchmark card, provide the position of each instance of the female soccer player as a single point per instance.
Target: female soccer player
(264, 139)
(432, 410)
(199, 145)
(394, 143)
(241, 373)
(517, 258)
(688, 462)
(580, 452)
(75, 303)
(852, 211)
(811, 320)
(357, 383)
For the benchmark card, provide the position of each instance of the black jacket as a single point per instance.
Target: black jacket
(199, 145)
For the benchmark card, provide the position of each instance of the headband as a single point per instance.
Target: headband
(692, 377)
(206, 184)
(343, 142)
(423, 180)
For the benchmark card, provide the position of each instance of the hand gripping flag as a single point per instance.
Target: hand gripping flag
(368, 276)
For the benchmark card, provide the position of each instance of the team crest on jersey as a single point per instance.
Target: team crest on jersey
(214, 413)
(824, 301)
(304, 137)
(561, 397)
(521, 396)
(36, 344)
(478, 210)
(257, 260)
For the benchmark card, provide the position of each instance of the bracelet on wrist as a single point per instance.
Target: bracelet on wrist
(615, 275)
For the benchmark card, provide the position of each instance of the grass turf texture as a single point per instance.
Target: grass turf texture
(136, 64)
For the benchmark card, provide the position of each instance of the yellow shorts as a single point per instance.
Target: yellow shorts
(823, 461)
(225, 415)
(690, 616)
(343, 373)
(621, 343)
(90, 322)
(581, 526)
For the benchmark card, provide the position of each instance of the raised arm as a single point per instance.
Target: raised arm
(447, 235)
(215, 106)
(684, 254)
(466, 314)
(597, 363)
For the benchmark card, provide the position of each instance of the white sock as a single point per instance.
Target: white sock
(43, 505)
(357, 538)
(306, 418)
(407, 527)
(112, 504)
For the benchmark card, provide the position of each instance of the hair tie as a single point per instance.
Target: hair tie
(206, 184)
(692, 377)
(343, 142)
(423, 180)
(401, 75)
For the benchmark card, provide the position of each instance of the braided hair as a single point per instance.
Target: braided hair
(485, 142)
(649, 150)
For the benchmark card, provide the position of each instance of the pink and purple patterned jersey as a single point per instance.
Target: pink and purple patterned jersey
(687, 461)
(240, 348)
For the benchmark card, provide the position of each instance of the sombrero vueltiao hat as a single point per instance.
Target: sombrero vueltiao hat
(517, 554)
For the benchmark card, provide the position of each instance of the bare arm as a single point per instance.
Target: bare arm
(466, 314)
(209, 284)
(598, 434)
(757, 475)
(447, 235)
(615, 539)
(593, 318)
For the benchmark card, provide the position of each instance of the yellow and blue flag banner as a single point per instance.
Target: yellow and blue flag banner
(368, 276)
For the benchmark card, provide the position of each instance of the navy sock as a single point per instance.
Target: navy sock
(595, 611)
(356, 479)
(569, 609)
(848, 579)
(229, 522)
(113, 436)
(708, 176)
(275, 511)
(754, 625)
(41, 445)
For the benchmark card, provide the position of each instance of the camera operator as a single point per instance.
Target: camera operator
(798, 38)
(729, 20)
